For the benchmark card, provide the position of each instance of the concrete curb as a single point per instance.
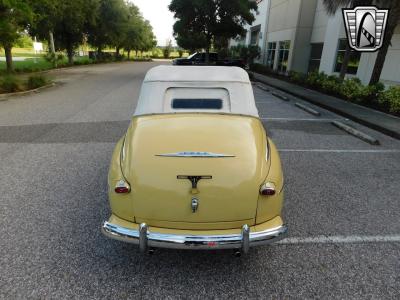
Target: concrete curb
(359, 119)
(263, 88)
(280, 96)
(4, 97)
(354, 132)
(308, 109)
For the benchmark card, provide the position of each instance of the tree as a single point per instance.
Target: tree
(24, 41)
(133, 32)
(139, 34)
(45, 16)
(200, 22)
(148, 40)
(167, 49)
(69, 30)
(14, 17)
(393, 20)
(66, 20)
(109, 28)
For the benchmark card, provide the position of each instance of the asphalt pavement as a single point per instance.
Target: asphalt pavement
(342, 204)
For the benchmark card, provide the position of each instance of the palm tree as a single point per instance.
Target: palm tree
(393, 20)
(332, 6)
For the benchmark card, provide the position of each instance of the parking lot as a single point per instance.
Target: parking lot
(342, 204)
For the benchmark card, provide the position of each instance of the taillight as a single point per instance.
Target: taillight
(122, 187)
(267, 189)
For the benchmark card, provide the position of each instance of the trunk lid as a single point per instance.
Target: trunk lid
(228, 150)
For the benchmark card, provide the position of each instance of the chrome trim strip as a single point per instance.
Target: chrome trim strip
(195, 154)
(145, 238)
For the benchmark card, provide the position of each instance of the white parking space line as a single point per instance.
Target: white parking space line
(339, 239)
(339, 150)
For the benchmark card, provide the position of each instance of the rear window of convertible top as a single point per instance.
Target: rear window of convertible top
(197, 104)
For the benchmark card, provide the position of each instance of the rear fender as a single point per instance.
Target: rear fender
(271, 206)
(120, 203)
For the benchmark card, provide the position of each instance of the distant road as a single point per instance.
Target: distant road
(16, 58)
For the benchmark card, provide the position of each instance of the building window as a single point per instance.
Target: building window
(283, 57)
(271, 55)
(354, 58)
(255, 35)
(315, 57)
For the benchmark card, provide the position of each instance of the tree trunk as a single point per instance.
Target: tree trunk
(52, 48)
(117, 51)
(208, 54)
(208, 49)
(129, 54)
(70, 53)
(345, 62)
(393, 18)
(51, 43)
(7, 50)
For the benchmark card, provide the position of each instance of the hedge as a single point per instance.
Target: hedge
(350, 89)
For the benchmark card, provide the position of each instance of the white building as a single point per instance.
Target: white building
(299, 35)
(256, 32)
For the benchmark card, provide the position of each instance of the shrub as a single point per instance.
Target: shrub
(259, 68)
(372, 93)
(54, 57)
(248, 53)
(10, 84)
(83, 61)
(391, 99)
(353, 90)
(315, 79)
(297, 77)
(349, 89)
(36, 81)
(331, 84)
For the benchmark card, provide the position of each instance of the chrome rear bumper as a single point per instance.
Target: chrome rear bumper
(146, 238)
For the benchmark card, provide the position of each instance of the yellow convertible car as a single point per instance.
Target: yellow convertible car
(195, 169)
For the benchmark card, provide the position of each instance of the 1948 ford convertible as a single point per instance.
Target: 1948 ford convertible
(196, 169)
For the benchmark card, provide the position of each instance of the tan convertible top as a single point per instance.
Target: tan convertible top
(164, 84)
(196, 73)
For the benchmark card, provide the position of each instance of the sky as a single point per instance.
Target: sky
(162, 20)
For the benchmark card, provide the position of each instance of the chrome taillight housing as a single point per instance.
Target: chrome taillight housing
(122, 187)
(267, 189)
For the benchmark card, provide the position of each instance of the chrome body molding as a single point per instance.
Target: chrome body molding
(146, 238)
(195, 154)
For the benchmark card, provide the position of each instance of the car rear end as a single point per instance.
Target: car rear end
(196, 169)
(232, 162)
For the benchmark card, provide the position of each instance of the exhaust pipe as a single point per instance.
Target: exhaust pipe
(238, 254)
